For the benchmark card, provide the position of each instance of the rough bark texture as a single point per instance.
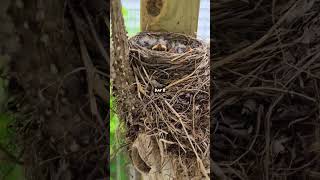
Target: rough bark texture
(122, 76)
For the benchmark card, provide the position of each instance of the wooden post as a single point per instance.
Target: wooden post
(179, 16)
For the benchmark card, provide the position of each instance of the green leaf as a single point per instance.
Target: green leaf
(117, 164)
(11, 172)
(8, 171)
(124, 11)
(5, 119)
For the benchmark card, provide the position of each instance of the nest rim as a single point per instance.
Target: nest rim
(133, 42)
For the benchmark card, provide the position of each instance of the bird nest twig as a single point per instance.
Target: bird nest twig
(172, 82)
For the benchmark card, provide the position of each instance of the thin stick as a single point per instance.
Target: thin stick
(242, 52)
(202, 168)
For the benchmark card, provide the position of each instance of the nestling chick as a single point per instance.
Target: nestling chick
(162, 41)
(159, 47)
(180, 48)
(147, 41)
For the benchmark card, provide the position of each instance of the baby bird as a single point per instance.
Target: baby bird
(179, 48)
(161, 45)
(162, 41)
(147, 41)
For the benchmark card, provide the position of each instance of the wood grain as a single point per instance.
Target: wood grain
(170, 16)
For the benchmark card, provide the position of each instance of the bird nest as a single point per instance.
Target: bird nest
(172, 80)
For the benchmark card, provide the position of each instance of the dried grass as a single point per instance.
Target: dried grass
(266, 90)
(178, 118)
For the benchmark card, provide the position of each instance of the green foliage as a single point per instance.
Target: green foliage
(124, 12)
(118, 164)
(16, 173)
(132, 30)
(114, 124)
(8, 170)
(5, 134)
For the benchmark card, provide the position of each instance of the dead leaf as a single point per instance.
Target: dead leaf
(145, 154)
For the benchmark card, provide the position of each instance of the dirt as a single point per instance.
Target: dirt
(58, 131)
